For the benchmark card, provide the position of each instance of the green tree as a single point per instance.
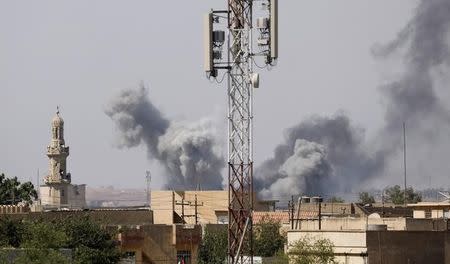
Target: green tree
(42, 243)
(267, 238)
(335, 199)
(91, 243)
(11, 232)
(366, 198)
(309, 251)
(213, 248)
(13, 192)
(396, 195)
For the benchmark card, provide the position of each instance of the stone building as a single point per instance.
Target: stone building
(58, 190)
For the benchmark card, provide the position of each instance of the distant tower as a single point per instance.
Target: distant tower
(57, 190)
(57, 153)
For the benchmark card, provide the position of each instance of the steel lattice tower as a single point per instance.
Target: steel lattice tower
(240, 83)
(240, 115)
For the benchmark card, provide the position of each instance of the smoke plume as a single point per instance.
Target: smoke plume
(187, 151)
(413, 97)
(328, 155)
(319, 155)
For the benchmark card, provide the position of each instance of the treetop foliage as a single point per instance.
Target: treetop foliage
(395, 194)
(311, 251)
(13, 192)
(366, 198)
(43, 242)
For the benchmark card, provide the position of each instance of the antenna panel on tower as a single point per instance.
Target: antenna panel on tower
(208, 43)
(274, 29)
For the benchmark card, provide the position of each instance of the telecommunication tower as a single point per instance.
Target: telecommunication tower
(237, 66)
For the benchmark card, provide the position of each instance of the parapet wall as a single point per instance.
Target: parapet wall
(14, 209)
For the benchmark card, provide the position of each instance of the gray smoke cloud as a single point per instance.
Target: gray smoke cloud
(319, 155)
(424, 43)
(187, 151)
(341, 159)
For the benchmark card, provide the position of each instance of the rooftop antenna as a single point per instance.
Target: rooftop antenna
(446, 195)
(237, 66)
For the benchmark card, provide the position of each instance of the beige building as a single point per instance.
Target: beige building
(180, 207)
(345, 225)
(431, 210)
(191, 207)
(58, 190)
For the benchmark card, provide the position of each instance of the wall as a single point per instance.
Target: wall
(14, 209)
(408, 247)
(413, 224)
(104, 217)
(352, 223)
(349, 246)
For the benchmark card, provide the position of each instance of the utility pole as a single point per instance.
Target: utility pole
(195, 211)
(404, 160)
(196, 205)
(292, 211)
(148, 179)
(241, 79)
(320, 213)
(183, 203)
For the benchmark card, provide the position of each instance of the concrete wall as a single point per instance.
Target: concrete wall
(104, 217)
(14, 209)
(413, 224)
(352, 223)
(408, 247)
(349, 246)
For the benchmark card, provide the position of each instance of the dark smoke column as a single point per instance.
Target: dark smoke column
(187, 151)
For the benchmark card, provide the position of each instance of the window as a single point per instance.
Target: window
(49, 191)
(446, 213)
(62, 192)
(184, 257)
(428, 213)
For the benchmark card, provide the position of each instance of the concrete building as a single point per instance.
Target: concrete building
(162, 244)
(194, 207)
(58, 190)
(431, 210)
(376, 234)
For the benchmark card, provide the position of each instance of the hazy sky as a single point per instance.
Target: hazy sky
(79, 54)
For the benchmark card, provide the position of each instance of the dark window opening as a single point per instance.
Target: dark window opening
(184, 257)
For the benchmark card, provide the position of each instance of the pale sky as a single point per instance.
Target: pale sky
(79, 54)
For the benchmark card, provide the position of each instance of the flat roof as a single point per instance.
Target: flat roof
(430, 204)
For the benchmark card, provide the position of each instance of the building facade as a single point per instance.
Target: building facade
(431, 210)
(58, 190)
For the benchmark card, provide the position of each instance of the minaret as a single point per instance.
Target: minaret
(57, 153)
